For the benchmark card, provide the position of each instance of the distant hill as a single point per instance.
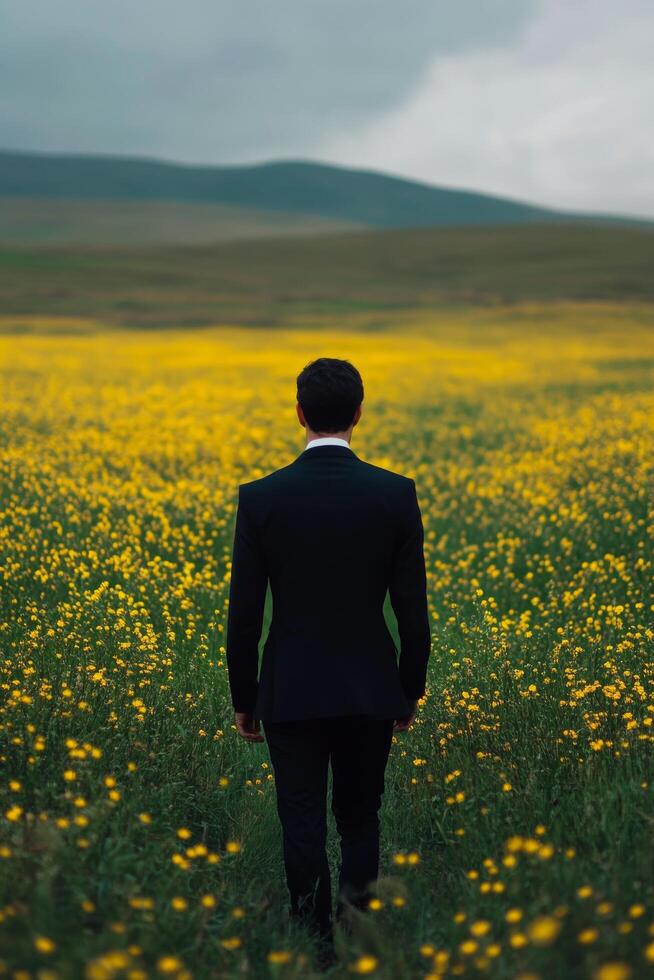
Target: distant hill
(282, 191)
(369, 277)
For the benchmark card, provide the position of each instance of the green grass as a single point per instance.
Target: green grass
(380, 276)
(71, 221)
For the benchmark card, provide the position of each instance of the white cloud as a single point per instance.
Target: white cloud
(561, 116)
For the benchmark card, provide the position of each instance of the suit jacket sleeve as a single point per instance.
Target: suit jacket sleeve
(247, 595)
(408, 593)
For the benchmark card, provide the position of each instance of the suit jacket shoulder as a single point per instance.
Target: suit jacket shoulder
(381, 472)
(259, 495)
(252, 488)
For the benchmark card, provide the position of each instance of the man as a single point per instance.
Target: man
(332, 534)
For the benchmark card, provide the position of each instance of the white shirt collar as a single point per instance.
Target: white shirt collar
(327, 441)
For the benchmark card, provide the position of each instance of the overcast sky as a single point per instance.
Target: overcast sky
(545, 100)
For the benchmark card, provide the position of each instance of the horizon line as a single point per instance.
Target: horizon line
(312, 162)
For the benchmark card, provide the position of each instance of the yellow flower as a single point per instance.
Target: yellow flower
(233, 847)
(279, 956)
(468, 947)
(232, 942)
(365, 964)
(44, 945)
(168, 964)
(184, 833)
(141, 902)
(543, 930)
(588, 936)
(480, 928)
(612, 971)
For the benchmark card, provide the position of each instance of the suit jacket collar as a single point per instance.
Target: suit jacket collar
(321, 451)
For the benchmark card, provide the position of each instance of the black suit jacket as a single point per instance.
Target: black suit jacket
(332, 533)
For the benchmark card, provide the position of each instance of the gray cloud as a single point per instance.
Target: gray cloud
(561, 115)
(545, 100)
(226, 81)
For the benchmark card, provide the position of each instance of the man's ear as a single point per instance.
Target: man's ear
(300, 415)
(357, 415)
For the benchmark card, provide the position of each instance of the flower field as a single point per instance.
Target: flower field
(138, 834)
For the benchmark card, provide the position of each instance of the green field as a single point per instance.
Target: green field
(379, 276)
(510, 372)
(71, 221)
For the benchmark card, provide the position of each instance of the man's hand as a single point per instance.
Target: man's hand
(248, 728)
(403, 724)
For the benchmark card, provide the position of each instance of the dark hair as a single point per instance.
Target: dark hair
(329, 391)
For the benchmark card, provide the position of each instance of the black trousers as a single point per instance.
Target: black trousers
(300, 752)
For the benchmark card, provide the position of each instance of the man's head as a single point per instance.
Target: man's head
(329, 396)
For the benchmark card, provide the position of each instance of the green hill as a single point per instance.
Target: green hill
(367, 273)
(291, 188)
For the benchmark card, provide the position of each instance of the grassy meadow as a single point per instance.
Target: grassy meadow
(361, 280)
(138, 834)
(50, 221)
